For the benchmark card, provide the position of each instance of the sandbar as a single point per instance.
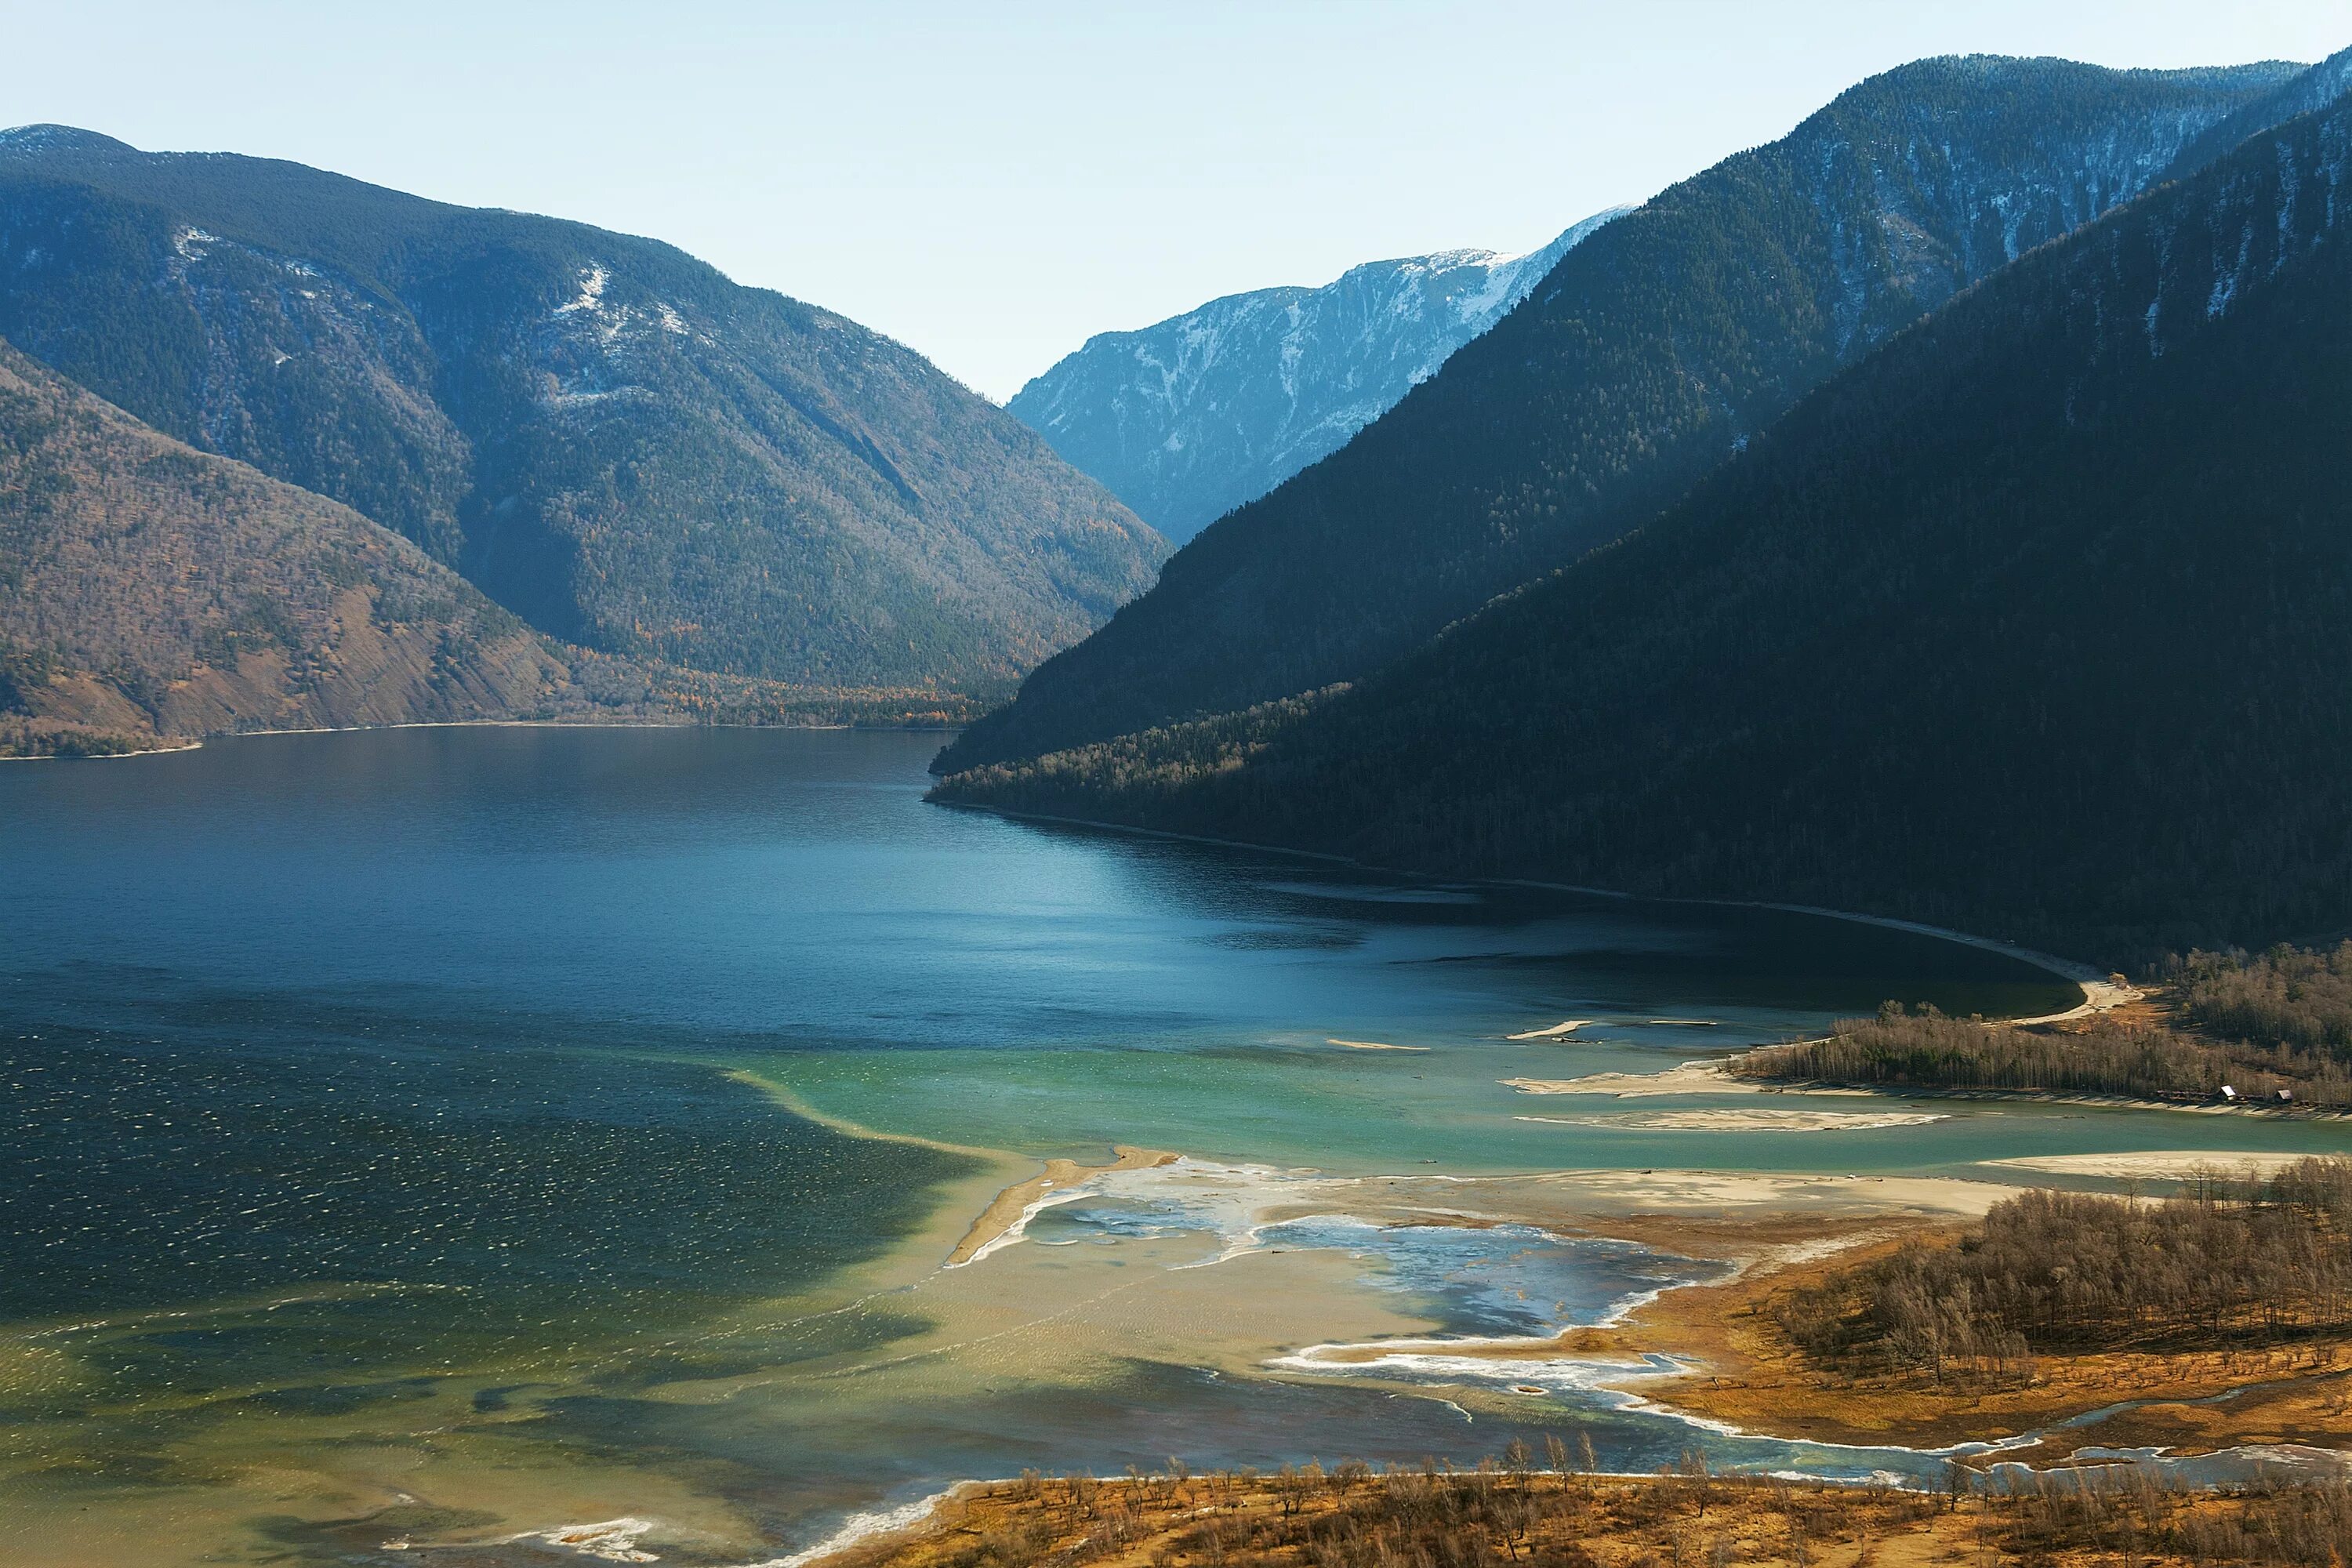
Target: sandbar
(1744, 1120)
(2156, 1165)
(1372, 1045)
(1690, 1078)
(1013, 1205)
(1554, 1033)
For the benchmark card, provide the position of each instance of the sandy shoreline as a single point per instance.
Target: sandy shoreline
(1748, 1121)
(1715, 1075)
(1710, 1077)
(198, 743)
(1558, 1031)
(2154, 1164)
(1273, 1309)
(1012, 1208)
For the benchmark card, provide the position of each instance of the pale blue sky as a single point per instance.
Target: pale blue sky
(991, 182)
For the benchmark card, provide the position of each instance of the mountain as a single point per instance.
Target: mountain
(1187, 419)
(606, 436)
(2033, 622)
(1652, 351)
(150, 591)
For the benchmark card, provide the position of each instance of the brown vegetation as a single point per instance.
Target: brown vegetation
(148, 590)
(151, 592)
(2297, 1000)
(2056, 1305)
(1513, 1513)
(2111, 1056)
(2227, 1263)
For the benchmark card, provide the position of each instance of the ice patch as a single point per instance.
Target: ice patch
(610, 1541)
(860, 1527)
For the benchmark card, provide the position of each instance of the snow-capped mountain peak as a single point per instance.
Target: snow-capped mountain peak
(1190, 418)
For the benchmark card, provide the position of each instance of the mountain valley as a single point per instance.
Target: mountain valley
(2029, 622)
(1654, 351)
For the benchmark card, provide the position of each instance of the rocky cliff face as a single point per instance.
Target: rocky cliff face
(608, 436)
(1186, 419)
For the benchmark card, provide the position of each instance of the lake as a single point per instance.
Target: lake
(430, 1138)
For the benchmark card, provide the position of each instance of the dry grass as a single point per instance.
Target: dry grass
(1511, 1514)
(1755, 1377)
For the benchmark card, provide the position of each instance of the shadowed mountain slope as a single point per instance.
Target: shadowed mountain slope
(1654, 350)
(2034, 623)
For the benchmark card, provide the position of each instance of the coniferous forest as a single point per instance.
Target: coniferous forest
(2031, 623)
(609, 437)
(1656, 348)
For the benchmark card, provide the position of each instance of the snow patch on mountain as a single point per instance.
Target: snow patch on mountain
(1189, 418)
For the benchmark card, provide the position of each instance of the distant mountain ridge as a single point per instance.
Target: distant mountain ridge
(1652, 350)
(1190, 418)
(606, 436)
(2033, 622)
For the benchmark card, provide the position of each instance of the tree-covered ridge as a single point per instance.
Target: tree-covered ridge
(610, 438)
(2031, 623)
(149, 590)
(152, 594)
(1652, 352)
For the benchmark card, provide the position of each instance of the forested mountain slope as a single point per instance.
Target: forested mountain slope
(2037, 622)
(1650, 352)
(1188, 418)
(607, 436)
(150, 591)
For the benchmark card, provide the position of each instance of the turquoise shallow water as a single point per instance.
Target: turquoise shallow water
(400, 1094)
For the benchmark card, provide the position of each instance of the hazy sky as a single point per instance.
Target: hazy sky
(992, 182)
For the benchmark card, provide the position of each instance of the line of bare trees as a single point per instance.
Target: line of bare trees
(2295, 997)
(1924, 1049)
(2226, 1262)
(1521, 1512)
